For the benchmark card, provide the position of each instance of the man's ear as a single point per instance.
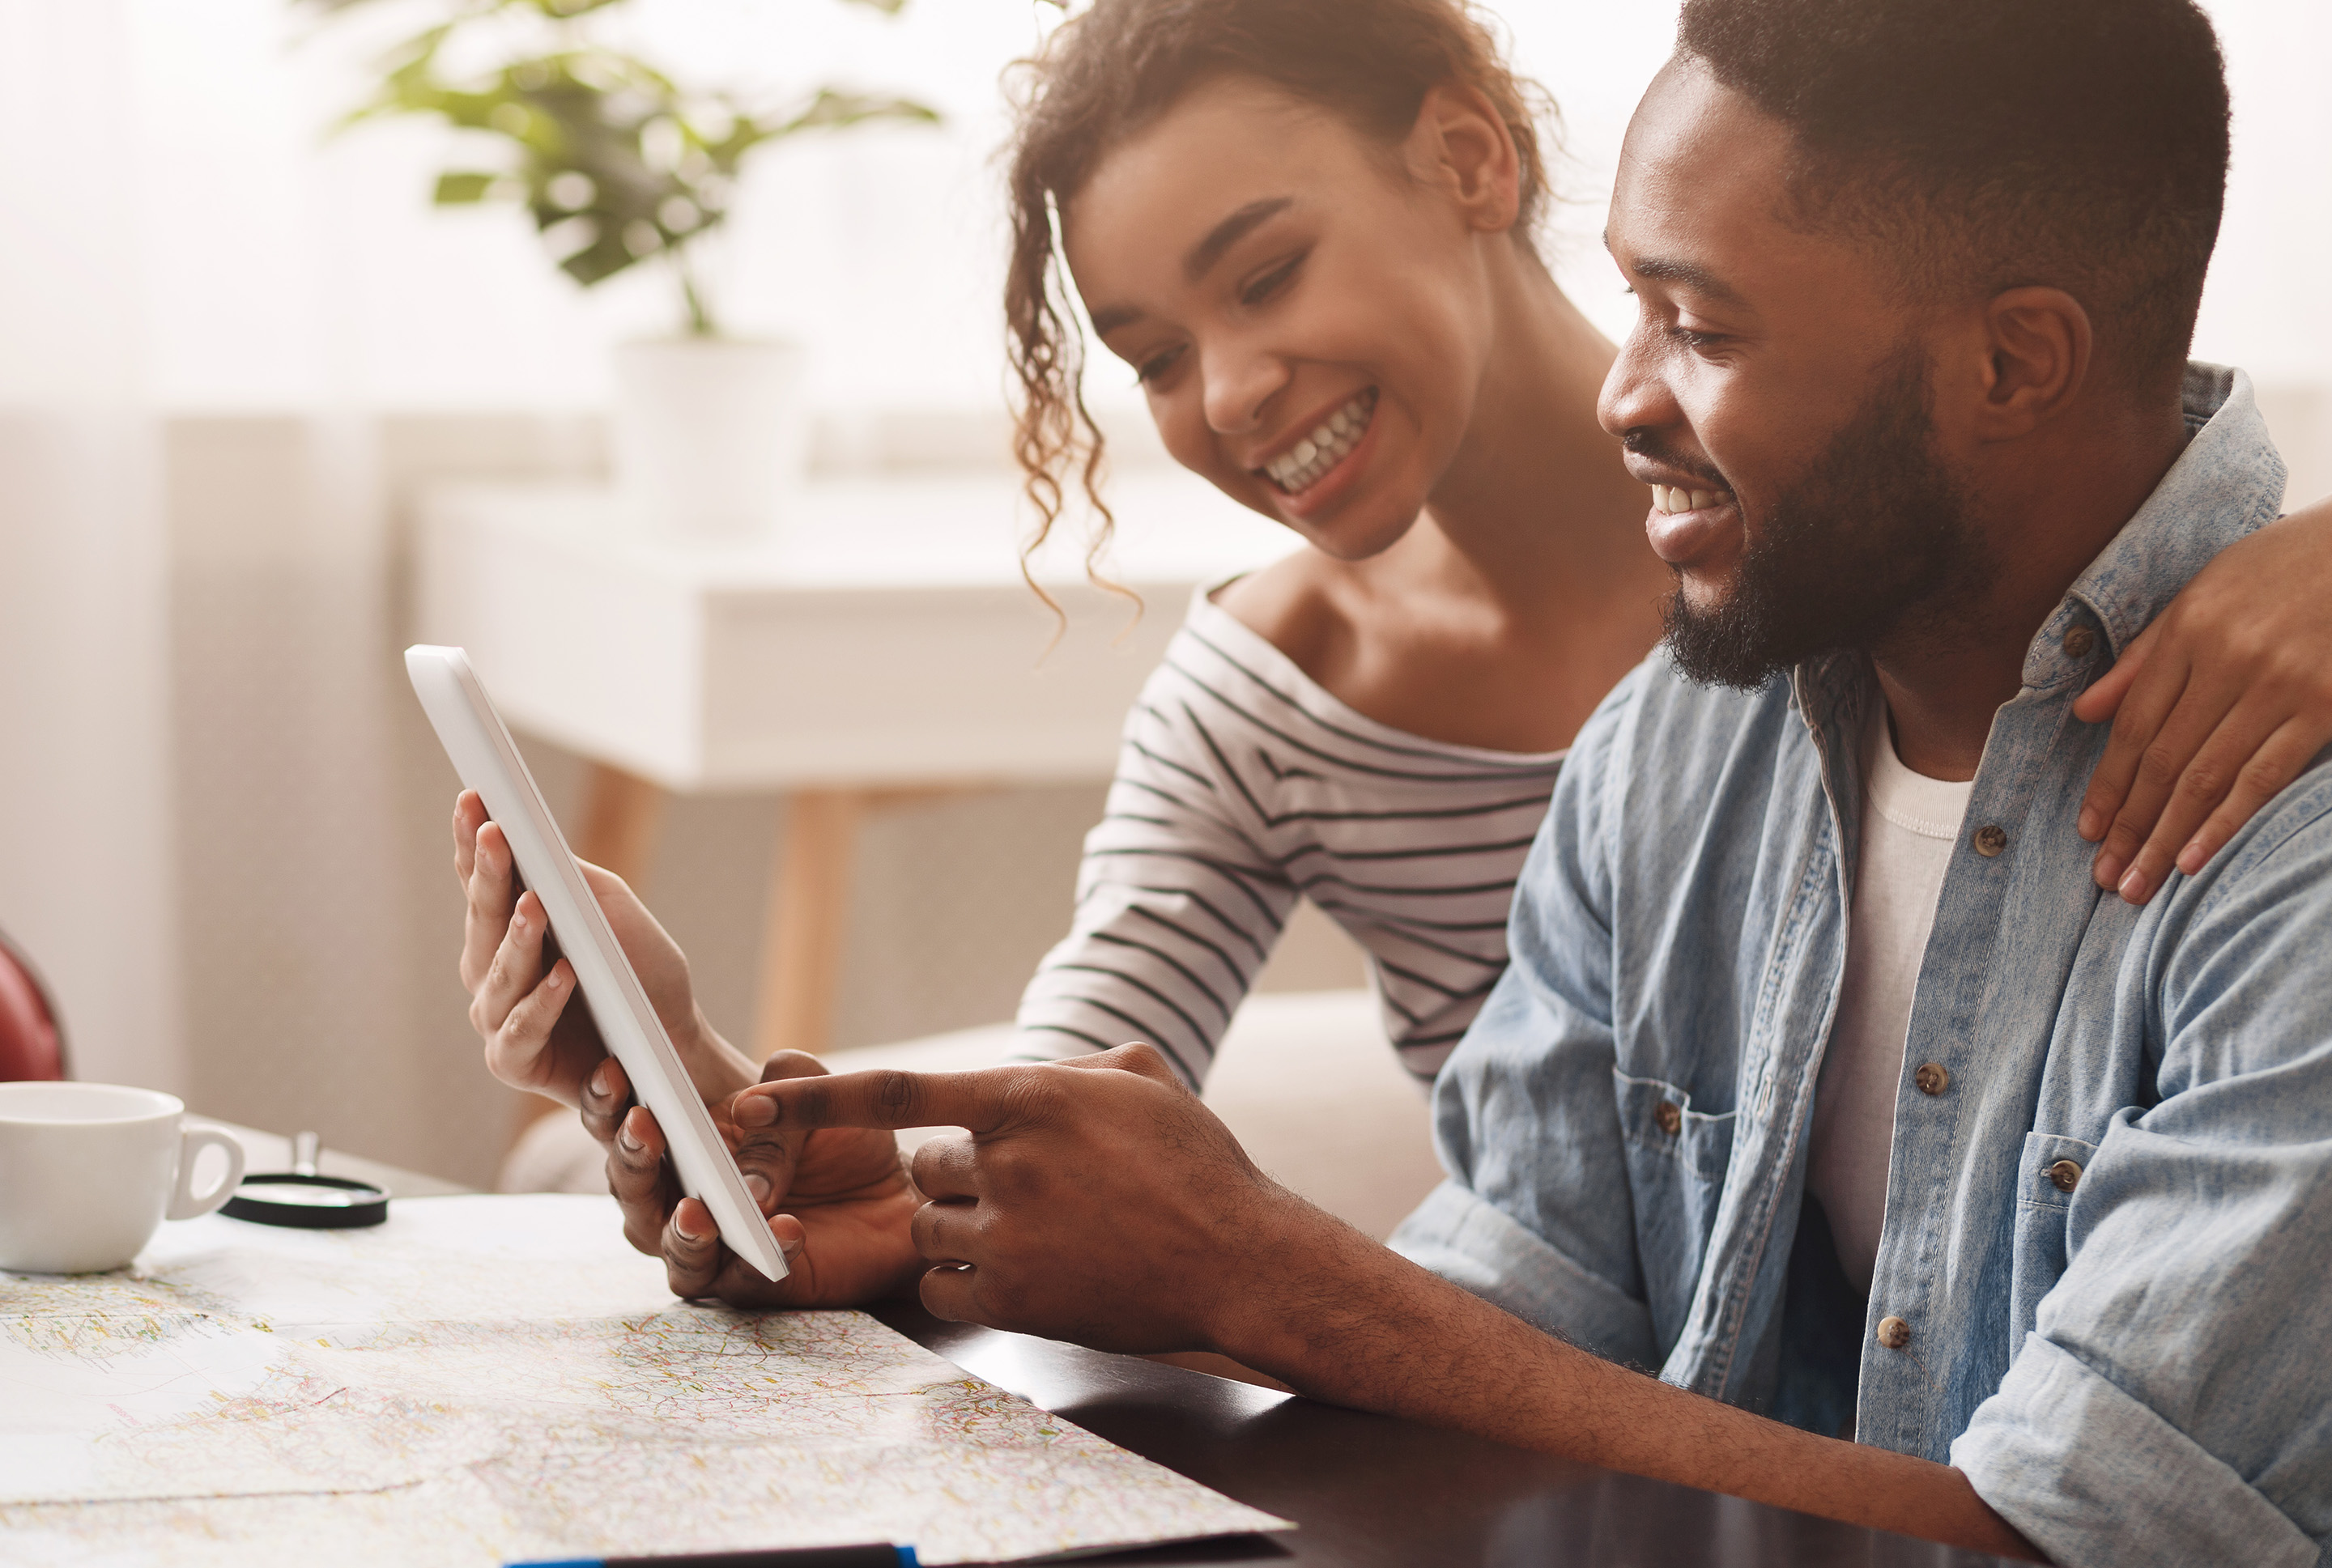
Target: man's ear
(1460, 145)
(2037, 348)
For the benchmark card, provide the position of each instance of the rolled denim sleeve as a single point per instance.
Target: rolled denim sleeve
(2172, 1403)
(1537, 1215)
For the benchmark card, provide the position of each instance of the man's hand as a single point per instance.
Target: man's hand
(1095, 1200)
(846, 1200)
(533, 1039)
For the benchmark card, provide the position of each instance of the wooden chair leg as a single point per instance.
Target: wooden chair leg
(623, 817)
(809, 905)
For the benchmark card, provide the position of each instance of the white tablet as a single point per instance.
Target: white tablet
(480, 744)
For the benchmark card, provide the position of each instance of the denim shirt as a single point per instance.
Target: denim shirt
(2107, 1228)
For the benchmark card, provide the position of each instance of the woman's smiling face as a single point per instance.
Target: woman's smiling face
(1308, 310)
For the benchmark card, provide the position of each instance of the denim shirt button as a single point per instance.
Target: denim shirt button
(1894, 1332)
(1670, 1116)
(2064, 1175)
(1990, 840)
(1932, 1077)
(2079, 641)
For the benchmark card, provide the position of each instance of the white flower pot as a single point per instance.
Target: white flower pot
(711, 436)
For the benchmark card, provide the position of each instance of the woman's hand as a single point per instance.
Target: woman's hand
(533, 1040)
(2216, 706)
(846, 1231)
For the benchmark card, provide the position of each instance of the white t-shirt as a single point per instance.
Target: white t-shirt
(1910, 822)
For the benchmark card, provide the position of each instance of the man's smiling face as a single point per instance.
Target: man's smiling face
(1774, 394)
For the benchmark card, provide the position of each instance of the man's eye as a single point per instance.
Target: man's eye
(1691, 339)
(1157, 365)
(1263, 288)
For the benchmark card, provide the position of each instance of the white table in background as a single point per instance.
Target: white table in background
(882, 647)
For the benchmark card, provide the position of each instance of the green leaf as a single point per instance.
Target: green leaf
(457, 187)
(831, 110)
(580, 110)
(601, 260)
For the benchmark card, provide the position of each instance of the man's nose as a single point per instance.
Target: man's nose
(1635, 395)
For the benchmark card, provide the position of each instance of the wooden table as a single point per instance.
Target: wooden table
(882, 649)
(1374, 1492)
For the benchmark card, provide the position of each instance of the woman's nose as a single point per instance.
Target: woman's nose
(1239, 381)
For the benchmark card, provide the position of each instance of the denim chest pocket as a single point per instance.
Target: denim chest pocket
(1676, 1161)
(2048, 1174)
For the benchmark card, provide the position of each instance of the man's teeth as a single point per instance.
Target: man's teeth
(1300, 466)
(1675, 498)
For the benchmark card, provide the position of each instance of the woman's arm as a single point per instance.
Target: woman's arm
(2215, 708)
(1177, 907)
(1177, 911)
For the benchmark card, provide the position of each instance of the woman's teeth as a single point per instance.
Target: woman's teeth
(1675, 498)
(1298, 468)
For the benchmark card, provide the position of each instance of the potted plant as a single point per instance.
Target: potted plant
(619, 164)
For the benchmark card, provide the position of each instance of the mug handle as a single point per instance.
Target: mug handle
(192, 1142)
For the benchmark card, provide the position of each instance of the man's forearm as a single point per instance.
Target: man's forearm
(1360, 1326)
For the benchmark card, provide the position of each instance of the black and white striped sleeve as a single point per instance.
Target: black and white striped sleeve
(1177, 908)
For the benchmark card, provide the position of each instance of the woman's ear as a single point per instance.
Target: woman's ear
(1461, 145)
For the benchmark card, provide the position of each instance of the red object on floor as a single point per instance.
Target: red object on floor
(31, 1041)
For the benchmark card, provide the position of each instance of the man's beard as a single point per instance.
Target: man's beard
(1877, 531)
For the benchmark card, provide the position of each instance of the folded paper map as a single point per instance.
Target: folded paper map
(485, 1379)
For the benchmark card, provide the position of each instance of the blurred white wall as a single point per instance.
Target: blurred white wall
(282, 267)
(231, 346)
(86, 871)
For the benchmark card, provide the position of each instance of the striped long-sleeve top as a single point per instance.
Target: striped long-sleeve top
(1243, 786)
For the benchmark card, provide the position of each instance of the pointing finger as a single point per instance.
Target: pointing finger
(983, 1101)
(990, 1100)
(1135, 1057)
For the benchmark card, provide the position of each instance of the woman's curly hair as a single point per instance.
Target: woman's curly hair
(1119, 65)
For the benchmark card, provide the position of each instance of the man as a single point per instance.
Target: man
(1824, 1082)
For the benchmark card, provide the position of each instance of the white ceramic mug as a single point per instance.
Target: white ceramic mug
(88, 1170)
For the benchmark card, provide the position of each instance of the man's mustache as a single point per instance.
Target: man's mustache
(1643, 441)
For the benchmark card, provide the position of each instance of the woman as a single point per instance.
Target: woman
(1305, 226)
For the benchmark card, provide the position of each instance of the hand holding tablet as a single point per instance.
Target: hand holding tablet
(482, 752)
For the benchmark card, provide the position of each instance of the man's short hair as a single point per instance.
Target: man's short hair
(1984, 145)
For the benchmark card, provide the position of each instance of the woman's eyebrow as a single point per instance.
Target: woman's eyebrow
(1230, 231)
(1203, 255)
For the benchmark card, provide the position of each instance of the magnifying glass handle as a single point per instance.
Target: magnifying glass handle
(307, 1148)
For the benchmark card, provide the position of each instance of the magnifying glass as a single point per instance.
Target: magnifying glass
(302, 1198)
